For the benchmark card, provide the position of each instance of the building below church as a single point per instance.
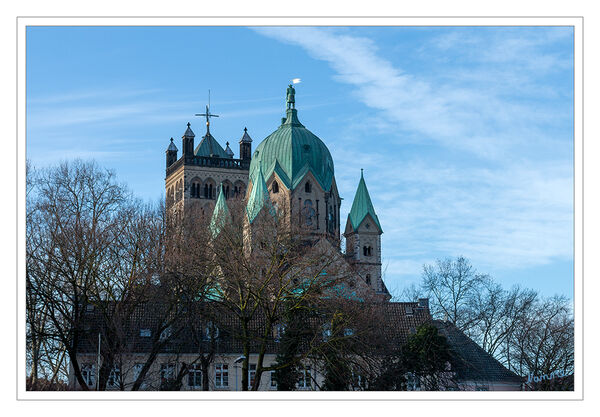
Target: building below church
(291, 169)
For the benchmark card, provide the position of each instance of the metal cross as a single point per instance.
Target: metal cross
(208, 114)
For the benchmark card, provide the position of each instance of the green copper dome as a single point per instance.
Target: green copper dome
(291, 151)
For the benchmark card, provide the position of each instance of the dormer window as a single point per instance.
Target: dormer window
(307, 187)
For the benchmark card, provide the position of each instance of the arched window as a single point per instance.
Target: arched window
(206, 191)
(368, 279)
(307, 187)
(309, 212)
(365, 250)
(227, 192)
(275, 187)
(370, 251)
(195, 189)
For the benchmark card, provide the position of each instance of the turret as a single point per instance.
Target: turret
(246, 146)
(171, 154)
(228, 151)
(188, 143)
(363, 238)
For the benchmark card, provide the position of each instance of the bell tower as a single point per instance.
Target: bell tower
(363, 239)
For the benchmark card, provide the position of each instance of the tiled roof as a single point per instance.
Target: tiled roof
(220, 214)
(246, 137)
(209, 146)
(362, 206)
(188, 132)
(172, 146)
(470, 361)
(399, 320)
(291, 151)
(259, 196)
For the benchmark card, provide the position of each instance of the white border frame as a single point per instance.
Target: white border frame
(575, 22)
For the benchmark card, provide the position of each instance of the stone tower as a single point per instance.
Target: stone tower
(195, 178)
(363, 238)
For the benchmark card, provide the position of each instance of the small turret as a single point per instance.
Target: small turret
(228, 151)
(246, 146)
(220, 214)
(188, 143)
(171, 154)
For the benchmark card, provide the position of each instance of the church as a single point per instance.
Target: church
(293, 169)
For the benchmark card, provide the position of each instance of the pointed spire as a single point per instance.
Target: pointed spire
(259, 196)
(188, 132)
(172, 146)
(246, 137)
(362, 206)
(220, 214)
(228, 151)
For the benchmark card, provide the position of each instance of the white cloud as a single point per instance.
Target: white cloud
(508, 204)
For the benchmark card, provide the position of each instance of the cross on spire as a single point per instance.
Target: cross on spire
(207, 114)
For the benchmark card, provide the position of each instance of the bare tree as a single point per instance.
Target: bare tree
(451, 286)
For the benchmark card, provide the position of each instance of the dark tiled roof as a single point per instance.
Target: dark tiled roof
(470, 361)
(398, 321)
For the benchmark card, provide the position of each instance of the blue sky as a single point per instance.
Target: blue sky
(465, 133)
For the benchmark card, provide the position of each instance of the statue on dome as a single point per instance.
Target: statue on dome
(290, 97)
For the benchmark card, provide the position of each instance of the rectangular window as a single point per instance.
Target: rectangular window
(305, 379)
(221, 375)
(167, 375)
(273, 381)
(251, 375)
(88, 372)
(195, 376)
(145, 333)
(137, 369)
(114, 378)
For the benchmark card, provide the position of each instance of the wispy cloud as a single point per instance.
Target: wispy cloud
(506, 198)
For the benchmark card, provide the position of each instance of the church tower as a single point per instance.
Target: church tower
(194, 178)
(298, 171)
(363, 238)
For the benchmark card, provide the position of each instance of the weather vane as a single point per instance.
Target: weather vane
(207, 114)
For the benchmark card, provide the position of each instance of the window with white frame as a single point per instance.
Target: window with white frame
(251, 374)
(114, 377)
(278, 332)
(137, 370)
(273, 384)
(167, 374)
(221, 375)
(305, 379)
(88, 372)
(195, 376)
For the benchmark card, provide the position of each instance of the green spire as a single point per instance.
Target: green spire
(259, 196)
(361, 206)
(220, 214)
